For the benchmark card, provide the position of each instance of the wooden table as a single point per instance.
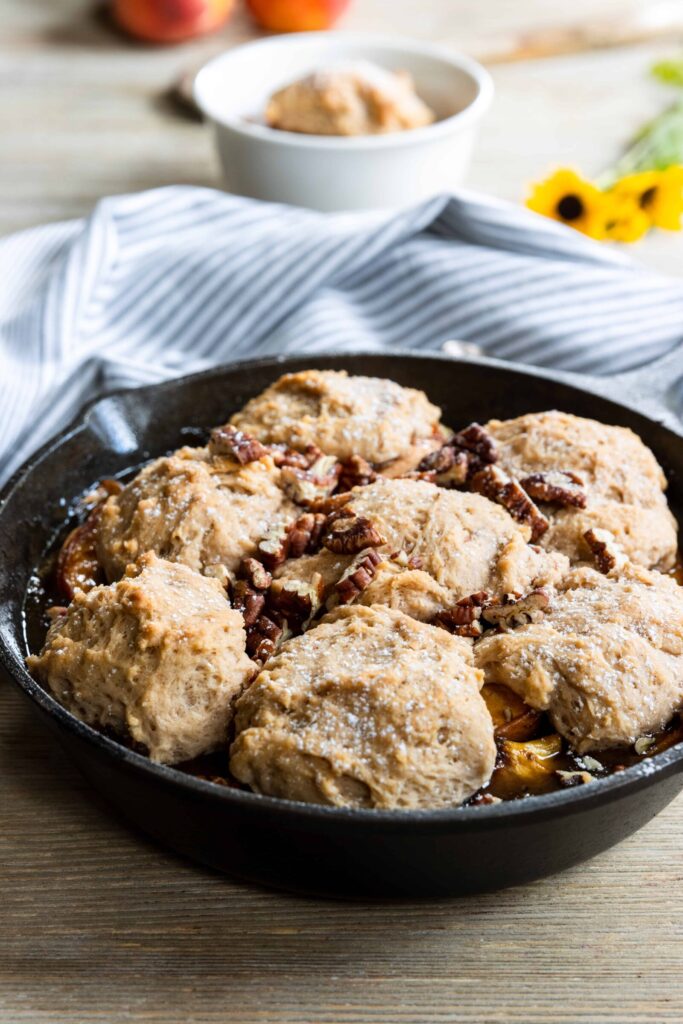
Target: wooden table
(98, 925)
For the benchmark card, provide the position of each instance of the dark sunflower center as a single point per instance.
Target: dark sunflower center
(647, 197)
(570, 207)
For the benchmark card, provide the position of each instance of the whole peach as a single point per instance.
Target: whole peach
(170, 21)
(296, 15)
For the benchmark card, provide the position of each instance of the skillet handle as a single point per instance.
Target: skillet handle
(656, 390)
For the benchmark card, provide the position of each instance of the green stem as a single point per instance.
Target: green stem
(658, 145)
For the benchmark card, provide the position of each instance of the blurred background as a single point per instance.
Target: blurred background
(89, 111)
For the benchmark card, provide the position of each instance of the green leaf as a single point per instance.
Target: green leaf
(669, 71)
(658, 145)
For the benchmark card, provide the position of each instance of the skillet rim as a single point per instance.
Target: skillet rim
(537, 808)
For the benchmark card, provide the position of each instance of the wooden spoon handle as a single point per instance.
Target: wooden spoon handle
(651, 21)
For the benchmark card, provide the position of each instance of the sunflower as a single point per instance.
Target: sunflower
(572, 200)
(627, 221)
(659, 194)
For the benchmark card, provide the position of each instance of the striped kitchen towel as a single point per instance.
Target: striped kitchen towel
(178, 279)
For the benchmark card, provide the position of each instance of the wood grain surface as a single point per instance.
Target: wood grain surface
(98, 925)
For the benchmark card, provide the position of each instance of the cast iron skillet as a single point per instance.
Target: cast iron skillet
(304, 847)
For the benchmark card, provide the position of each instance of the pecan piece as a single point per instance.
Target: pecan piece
(458, 472)
(557, 486)
(348, 534)
(304, 486)
(265, 637)
(284, 456)
(428, 476)
(228, 440)
(274, 547)
(496, 485)
(438, 461)
(356, 472)
(607, 552)
(255, 573)
(358, 576)
(516, 609)
(407, 561)
(450, 466)
(296, 600)
(292, 540)
(332, 505)
(305, 534)
(463, 455)
(463, 618)
(247, 600)
(477, 440)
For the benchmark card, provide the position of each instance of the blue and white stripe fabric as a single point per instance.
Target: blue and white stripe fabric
(175, 280)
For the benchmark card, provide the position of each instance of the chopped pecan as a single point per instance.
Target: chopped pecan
(463, 455)
(406, 561)
(477, 440)
(265, 637)
(296, 600)
(284, 456)
(305, 534)
(428, 476)
(450, 466)
(274, 547)
(496, 485)
(457, 474)
(228, 440)
(358, 575)
(348, 534)
(309, 485)
(606, 551)
(356, 472)
(462, 618)
(291, 540)
(247, 600)
(332, 505)
(557, 486)
(473, 629)
(438, 461)
(516, 609)
(255, 573)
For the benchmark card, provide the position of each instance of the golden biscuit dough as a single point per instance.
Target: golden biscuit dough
(159, 656)
(344, 416)
(369, 709)
(606, 661)
(205, 511)
(624, 483)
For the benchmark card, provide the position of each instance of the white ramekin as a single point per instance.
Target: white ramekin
(349, 173)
